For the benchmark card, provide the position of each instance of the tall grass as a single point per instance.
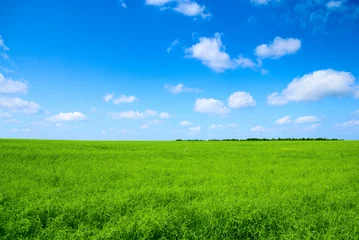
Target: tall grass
(179, 190)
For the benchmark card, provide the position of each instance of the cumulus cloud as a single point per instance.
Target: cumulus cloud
(165, 115)
(19, 105)
(124, 99)
(284, 120)
(185, 123)
(67, 117)
(195, 129)
(307, 119)
(211, 52)
(313, 126)
(191, 9)
(10, 86)
(108, 97)
(258, 129)
(179, 88)
(211, 106)
(241, 100)
(186, 7)
(315, 86)
(278, 48)
(2, 44)
(4, 115)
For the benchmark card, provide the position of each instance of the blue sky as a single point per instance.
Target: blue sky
(167, 69)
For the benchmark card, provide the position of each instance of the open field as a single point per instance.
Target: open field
(182, 190)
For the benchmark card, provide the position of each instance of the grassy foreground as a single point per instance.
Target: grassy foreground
(179, 190)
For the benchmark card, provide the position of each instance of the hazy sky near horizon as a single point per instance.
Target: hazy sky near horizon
(167, 69)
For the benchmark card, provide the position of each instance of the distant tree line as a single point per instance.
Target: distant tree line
(266, 139)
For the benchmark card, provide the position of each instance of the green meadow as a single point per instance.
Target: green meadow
(179, 190)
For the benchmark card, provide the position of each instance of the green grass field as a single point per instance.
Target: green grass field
(179, 190)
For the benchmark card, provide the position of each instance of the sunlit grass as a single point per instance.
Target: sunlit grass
(179, 190)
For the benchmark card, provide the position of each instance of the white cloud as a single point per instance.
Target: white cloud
(334, 4)
(165, 115)
(23, 130)
(19, 105)
(313, 126)
(307, 119)
(216, 127)
(283, 120)
(154, 122)
(12, 121)
(132, 114)
(158, 2)
(186, 123)
(260, 2)
(315, 86)
(125, 99)
(173, 44)
(278, 48)
(75, 116)
(233, 125)
(211, 52)
(350, 123)
(210, 105)
(10, 86)
(5, 115)
(108, 97)
(195, 129)
(191, 9)
(241, 100)
(356, 113)
(258, 129)
(123, 4)
(2, 44)
(180, 88)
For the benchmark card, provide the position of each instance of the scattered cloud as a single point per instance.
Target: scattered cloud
(313, 126)
(241, 100)
(186, 123)
(334, 4)
(233, 125)
(132, 114)
(125, 99)
(195, 129)
(186, 7)
(350, 123)
(158, 2)
(108, 97)
(173, 44)
(211, 106)
(356, 113)
(307, 119)
(278, 48)
(179, 88)
(70, 116)
(19, 105)
(6, 70)
(11, 86)
(12, 120)
(316, 86)
(284, 120)
(145, 126)
(123, 4)
(258, 129)
(260, 2)
(2, 44)
(165, 115)
(155, 122)
(23, 130)
(211, 52)
(4, 115)
(191, 9)
(216, 127)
